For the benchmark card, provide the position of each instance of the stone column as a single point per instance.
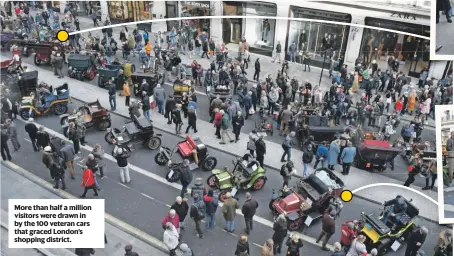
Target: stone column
(62, 6)
(216, 23)
(104, 10)
(159, 9)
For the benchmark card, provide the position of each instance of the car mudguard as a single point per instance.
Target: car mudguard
(255, 177)
(217, 171)
(64, 115)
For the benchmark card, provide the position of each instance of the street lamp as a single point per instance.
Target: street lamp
(323, 67)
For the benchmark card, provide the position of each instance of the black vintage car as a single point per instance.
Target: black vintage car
(152, 79)
(318, 127)
(375, 155)
(139, 130)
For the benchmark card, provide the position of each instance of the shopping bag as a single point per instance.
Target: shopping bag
(152, 102)
(209, 88)
(251, 111)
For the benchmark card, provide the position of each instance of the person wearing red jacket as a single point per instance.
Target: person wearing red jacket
(348, 234)
(88, 182)
(399, 106)
(173, 218)
(217, 122)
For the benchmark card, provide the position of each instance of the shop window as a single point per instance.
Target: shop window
(412, 52)
(315, 38)
(195, 8)
(171, 12)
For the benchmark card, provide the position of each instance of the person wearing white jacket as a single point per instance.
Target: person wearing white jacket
(358, 248)
(171, 238)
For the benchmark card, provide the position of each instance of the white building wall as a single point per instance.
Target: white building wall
(353, 42)
(159, 8)
(216, 24)
(104, 10)
(281, 28)
(62, 6)
(437, 68)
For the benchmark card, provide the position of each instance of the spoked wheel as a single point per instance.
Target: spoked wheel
(153, 143)
(209, 164)
(26, 114)
(212, 181)
(65, 132)
(270, 205)
(259, 184)
(91, 75)
(223, 194)
(103, 125)
(60, 108)
(64, 120)
(175, 176)
(109, 138)
(161, 159)
(37, 61)
(294, 225)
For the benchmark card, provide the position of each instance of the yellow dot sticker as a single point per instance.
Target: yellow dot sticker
(346, 196)
(62, 36)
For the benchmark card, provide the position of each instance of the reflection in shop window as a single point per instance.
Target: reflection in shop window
(195, 28)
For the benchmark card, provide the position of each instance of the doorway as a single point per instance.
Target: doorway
(232, 28)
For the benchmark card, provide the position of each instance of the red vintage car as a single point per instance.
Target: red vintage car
(314, 195)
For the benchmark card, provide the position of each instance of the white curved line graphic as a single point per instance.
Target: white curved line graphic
(395, 185)
(248, 17)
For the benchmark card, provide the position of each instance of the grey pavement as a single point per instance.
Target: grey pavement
(13, 251)
(357, 178)
(16, 186)
(448, 193)
(445, 37)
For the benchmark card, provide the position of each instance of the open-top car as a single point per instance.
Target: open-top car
(375, 155)
(81, 67)
(318, 127)
(152, 79)
(139, 130)
(246, 174)
(94, 115)
(192, 149)
(180, 87)
(55, 100)
(313, 196)
(382, 237)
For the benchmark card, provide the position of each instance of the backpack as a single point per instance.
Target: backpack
(283, 172)
(200, 212)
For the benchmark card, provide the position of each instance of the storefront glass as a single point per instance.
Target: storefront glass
(171, 12)
(56, 5)
(195, 8)
(314, 37)
(412, 52)
(128, 11)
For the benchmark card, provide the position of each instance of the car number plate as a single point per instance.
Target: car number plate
(170, 174)
(119, 138)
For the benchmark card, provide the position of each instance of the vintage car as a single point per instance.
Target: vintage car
(318, 127)
(375, 155)
(94, 115)
(139, 130)
(382, 237)
(82, 67)
(56, 101)
(192, 149)
(313, 196)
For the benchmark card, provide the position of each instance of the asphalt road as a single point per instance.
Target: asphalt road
(400, 170)
(444, 37)
(143, 202)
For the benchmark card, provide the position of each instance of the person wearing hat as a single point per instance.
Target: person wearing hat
(47, 158)
(229, 211)
(328, 229)
(260, 149)
(32, 131)
(186, 250)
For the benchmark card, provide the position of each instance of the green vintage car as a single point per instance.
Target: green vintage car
(246, 174)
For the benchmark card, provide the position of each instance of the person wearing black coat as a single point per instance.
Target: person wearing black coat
(32, 131)
(415, 241)
(85, 251)
(176, 118)
(242, 247)
(280, 233)
(294, 244)
(4, 145)
(257, 70)
(181, 207)
(170, 105)
(238, 122)
(260, 150)
(42, 138)
(57, 169)
(205, 49)
(249, 209)
(192, 120)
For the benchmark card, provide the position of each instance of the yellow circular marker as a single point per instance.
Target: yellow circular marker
(62, 36)
(346, 196)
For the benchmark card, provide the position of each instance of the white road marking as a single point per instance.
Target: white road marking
(28, 140)
(145, 195)
(449, 189)
(121, 184)
(151, 175)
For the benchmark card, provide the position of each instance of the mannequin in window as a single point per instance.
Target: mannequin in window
(302, 40)
(324, 41)
(265, 30)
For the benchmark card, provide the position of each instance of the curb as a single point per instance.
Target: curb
(137, 233)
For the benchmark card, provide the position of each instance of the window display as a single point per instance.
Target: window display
(314, 38)
(412, 52)
(56, 5)
(259, 32)
(196, 8)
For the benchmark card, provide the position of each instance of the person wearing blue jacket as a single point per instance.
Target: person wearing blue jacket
(192, 104)
(322, 154)
(347, 157)
(247, 101)
(333, 154)
(407, 132)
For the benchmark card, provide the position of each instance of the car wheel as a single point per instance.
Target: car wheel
(26, 113)
(64, 120)
(100, 84)
(103, 125)
(37, 61)
(259, 184)
(294, 225)
(209, 164)
(223, 195)
(60, 108)
(161, 159)
(65, 132)
(79, 76)
(153, 143)
(174, 178)
(212, 181)
(270, 205)
(109, 138)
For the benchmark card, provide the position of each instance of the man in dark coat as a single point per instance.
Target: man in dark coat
(42, 138)
(181, 207)
(328, 229)
(415, 241)
(4, 145)
(249, 208)
(257, 70)
(260, 150)
(32, 131)
(57, 168)
(237, 122)
(170, 105)
(129, 252)
(444, 5)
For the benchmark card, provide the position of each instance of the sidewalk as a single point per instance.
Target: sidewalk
(20, 184)
(356, 179)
